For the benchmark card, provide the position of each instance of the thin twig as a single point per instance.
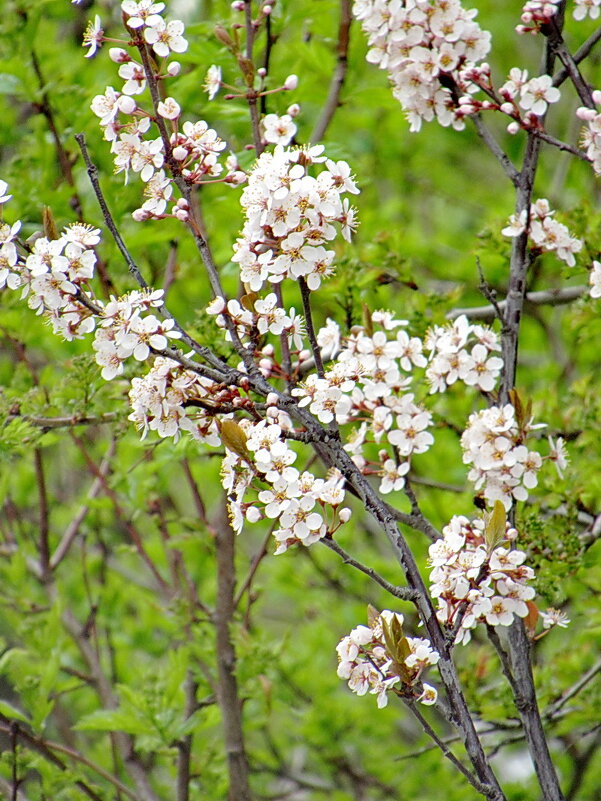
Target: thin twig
(494, 147)
(339, 74)
(72, 529)
(446, 751)
(546, 297)
(306, 297)
(403, 593)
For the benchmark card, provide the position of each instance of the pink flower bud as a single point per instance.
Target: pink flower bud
(139, 215)
(291, 82)
(237, 5)
(261, 72)
(513, 128)
(182, 203)
(267, 10)
(181, 214)
(174, 69)
(119, 55)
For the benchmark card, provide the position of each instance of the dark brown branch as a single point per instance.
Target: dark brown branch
(339, 75)
(306, 296)
(44, 514)
(64, 159)
(579, 56)
(227, 691)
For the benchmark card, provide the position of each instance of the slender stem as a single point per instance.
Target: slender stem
(494, 147)
(559, 47)
(403, 593)
(546, 297)
(72, 529)
(554, 708)
(251, 95)
(339, 75)
(306, 296)
(64, 159)
(445, 749)
(582, 52)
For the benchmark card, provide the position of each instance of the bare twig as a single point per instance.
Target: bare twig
(495, 148)
(339, 75)
(403, 593)
(73, 528)
(546, 297)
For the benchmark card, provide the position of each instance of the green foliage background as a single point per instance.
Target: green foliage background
(431, 206)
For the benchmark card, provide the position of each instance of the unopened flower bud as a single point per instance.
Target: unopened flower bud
(597, 96)
(293, 110)
(267, 10)
(179, 153)
(261, 72)
(139, 215)
(507, 108)
(304, 355)
(272, 412)
(237, 5)
(513, 128)
(344, 514)
(223, 35)
(268, 350)
(271, 399)
(174, 69)
(182, 203)
(119, 55)
(253, 514)
(291, 82)
(126, 104)
(181, 214)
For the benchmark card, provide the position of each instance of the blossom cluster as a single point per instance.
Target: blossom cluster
(537, 13)
(373, 660)
(428, 50)
(591, 134)
(545, 233)
(462, 351)
(290, 215)
(502, 466)
(532, 95)
(165, 400)
(53, 275)
(259, 453)
(476, 578)
(368, 384)
(195, 148)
